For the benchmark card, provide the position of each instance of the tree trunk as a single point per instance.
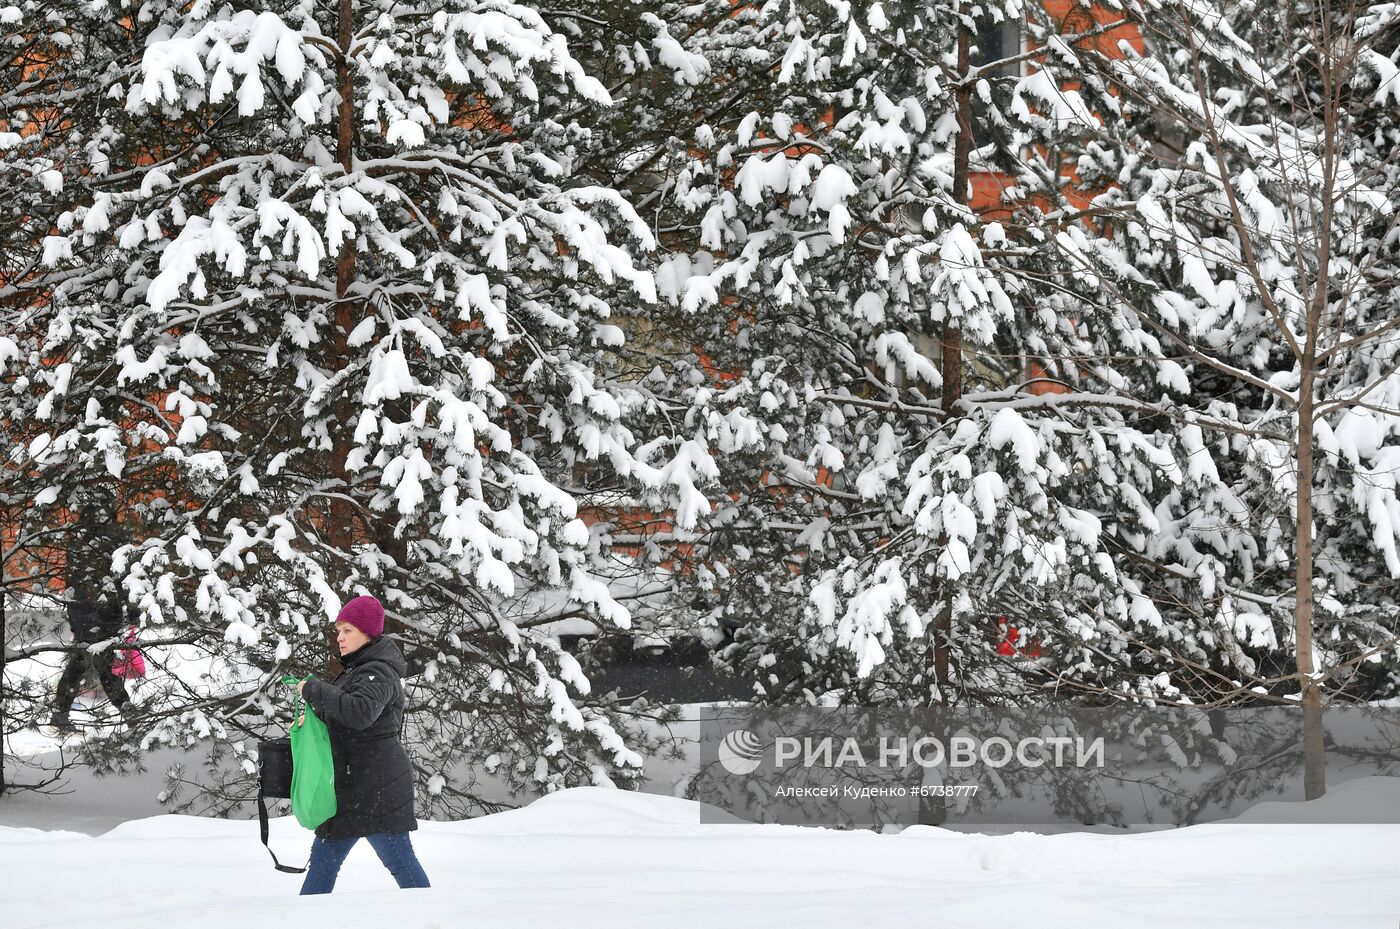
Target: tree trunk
(1314, 760)
(951, 343)
(1314, 769)
(933, 811)
(341, 514)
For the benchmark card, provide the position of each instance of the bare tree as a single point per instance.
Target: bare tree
(1259, 250)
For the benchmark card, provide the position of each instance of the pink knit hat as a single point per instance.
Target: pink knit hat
(365, 614)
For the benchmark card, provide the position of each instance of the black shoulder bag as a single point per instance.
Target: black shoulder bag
(274, 781)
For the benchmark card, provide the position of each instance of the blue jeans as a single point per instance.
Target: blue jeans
(393, 848)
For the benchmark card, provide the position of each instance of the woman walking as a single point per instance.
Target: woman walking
(363, 709)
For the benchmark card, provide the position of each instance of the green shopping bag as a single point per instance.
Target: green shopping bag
(313, 768)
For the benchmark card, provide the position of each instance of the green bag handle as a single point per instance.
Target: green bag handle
(291, 680)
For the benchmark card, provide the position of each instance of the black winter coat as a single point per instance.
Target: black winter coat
(94, 598)
(363, 709)
(94, 622)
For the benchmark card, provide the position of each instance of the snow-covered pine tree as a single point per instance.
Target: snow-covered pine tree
(41, 159)
(1256, 190)
(637, 145)
(327, 298)
(860, 343)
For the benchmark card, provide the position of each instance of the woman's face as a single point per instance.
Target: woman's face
(349, 637)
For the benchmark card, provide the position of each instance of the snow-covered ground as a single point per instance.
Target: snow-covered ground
(99, 854)
(594, 857)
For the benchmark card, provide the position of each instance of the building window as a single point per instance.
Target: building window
(995, 41)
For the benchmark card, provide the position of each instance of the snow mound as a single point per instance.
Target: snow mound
(1364, 800)
(595, 810)
(178, 827)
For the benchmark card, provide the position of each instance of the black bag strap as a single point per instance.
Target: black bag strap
(262, 829)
